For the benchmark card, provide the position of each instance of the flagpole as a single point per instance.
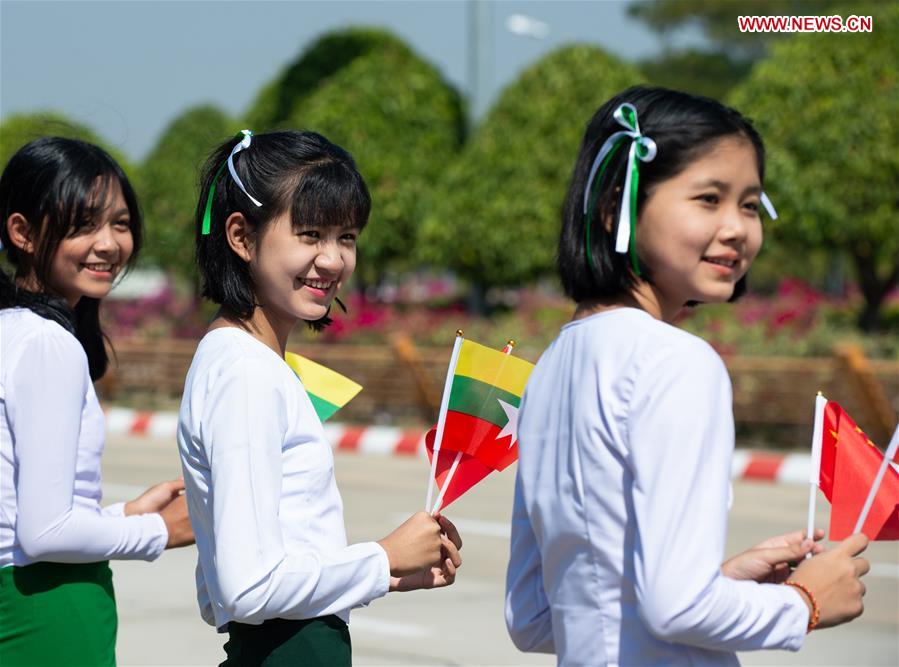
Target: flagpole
(814, 477)
(441, 417)
(452, 471)
(891, 452)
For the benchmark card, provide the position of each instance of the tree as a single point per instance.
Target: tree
(827, 106)
(168, 187)
(280, 98)
(18, 129)
(494, 218)
(714, 69)
(718, 20)
(403, 124)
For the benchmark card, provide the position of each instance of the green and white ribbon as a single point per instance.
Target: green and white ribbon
(241, 145)
(642, 148)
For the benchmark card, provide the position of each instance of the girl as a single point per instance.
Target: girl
(626, 429)
(70, 226)
(276, 240)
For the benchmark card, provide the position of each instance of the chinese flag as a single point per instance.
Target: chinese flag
(849, 464)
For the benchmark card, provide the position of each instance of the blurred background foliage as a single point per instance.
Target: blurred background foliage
(475, 209)
(494, 216)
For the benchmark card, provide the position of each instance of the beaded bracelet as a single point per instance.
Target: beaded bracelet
(816, 610)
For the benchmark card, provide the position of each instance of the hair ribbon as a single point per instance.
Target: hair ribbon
(243, 144)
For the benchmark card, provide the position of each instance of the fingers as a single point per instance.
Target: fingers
(785, 554)
(449, 571)
(862, 566)
(450, 529)
(853, 545)
(177, 484)
(450, 550)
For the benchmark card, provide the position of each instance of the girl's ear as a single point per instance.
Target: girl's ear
(240, 235)
(20, 233)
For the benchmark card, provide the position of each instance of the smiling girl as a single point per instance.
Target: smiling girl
(626, 427)
(71, 225)
(276, 241)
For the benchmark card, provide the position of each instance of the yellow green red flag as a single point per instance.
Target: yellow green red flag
(328, 390)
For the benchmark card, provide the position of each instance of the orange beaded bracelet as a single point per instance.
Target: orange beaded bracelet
(816, 610)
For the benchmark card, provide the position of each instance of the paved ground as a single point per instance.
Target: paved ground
(463, 625)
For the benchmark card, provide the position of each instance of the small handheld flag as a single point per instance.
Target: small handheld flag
(479, 418)
(328, 390)
(861, 484)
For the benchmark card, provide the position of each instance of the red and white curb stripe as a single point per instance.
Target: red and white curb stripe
(392, 441)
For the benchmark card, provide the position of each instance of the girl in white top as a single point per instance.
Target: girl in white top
(71, 225)
(276, 240)
(626, 428)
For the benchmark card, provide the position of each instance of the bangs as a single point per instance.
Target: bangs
(82, 201)
(329, 194)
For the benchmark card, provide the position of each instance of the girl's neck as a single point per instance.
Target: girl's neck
(268, 330)
(30, 283)
(643, 297)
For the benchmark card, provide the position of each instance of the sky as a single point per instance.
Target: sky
(127, 68)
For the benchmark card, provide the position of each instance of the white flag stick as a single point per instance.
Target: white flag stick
(441, 417)
(449, 475)
(814, 476)
(891, 452)
(452, 471)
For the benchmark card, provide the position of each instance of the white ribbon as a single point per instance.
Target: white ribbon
(766, 202)
(244, 143)
(649, 152)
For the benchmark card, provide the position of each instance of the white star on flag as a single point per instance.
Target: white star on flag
(511, 427)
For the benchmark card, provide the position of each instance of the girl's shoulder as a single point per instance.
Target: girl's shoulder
(39, 347)
(23, 331)
(228, 351)
(631, 338)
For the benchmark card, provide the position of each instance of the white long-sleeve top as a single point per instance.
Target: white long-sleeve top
(263, 500)
(619, 520)
(52, 434)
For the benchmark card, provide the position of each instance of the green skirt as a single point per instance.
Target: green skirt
(54, 614)
(278, 642)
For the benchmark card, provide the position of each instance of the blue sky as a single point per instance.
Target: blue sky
(127, 68)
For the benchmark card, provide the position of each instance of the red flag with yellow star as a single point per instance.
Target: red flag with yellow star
(849, 464)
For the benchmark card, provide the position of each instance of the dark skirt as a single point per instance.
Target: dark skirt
(54, 614)
(280, 642)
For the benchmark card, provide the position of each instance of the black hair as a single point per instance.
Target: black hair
(683, 127)
(302, 172)
(59, 186)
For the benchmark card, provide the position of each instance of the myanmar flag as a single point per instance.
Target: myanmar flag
(328, 390)
(482, 413)
(849, 464)
(480, 432)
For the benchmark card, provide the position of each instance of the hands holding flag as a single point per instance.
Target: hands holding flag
(862, 485)
(423, 552)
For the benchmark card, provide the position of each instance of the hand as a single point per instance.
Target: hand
(155, 498)
(834, 578)
(415, 545)
(435, 577)
(769, 562)
(177, 522)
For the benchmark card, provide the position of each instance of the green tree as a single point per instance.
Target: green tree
(715, 68)
(402, 123)
(718, 20)
(168, 187)
(827, 106)
(18, 129)
(494, 217)
(282, 97)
